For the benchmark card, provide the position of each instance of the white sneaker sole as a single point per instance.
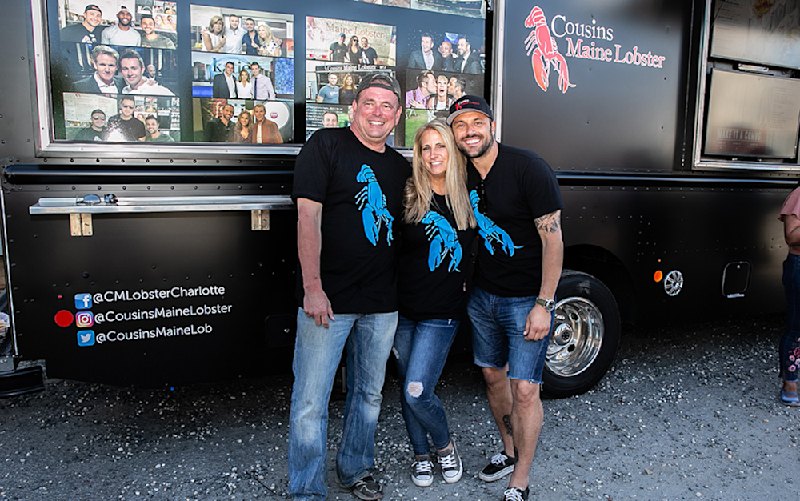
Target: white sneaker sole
(422, 482)
(452, 480)
(497, 476)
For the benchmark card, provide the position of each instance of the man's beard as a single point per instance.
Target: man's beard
(485, 145)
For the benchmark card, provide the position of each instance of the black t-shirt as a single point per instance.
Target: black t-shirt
(338, 52)
(370, 55)
(118, 129)
(89, 134)
(79, 33)
(519, 188)
(361, 195)
(353, 57)
(433, 257)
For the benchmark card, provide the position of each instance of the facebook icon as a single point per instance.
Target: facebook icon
(83, 301)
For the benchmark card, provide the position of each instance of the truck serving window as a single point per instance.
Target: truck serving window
(246, 74)
(749, 103)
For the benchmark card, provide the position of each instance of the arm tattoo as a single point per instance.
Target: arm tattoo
(549, 223)
(507, 424)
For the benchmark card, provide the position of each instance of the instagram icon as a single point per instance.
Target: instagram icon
(84, 319)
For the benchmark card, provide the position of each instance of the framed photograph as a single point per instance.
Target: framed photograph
(120, 118)
(244, 121)
(131, 23)
(350, 42)
(235, 31)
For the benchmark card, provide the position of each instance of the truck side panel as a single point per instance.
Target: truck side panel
(151, 299)
(726, 242)
(596, 86)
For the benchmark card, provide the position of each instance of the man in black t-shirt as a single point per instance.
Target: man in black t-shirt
(219, 129)
(517, 203)
(86, 32)
(368, 55)
(348, 189)
(96, 131)
(338, 49)
(124, 126)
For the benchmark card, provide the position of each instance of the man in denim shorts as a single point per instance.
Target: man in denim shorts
(517, 203)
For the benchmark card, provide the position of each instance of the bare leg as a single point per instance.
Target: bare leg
(789, 387)
(498, 392)
(526, 419)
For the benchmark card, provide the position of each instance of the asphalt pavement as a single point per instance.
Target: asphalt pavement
(686, 412)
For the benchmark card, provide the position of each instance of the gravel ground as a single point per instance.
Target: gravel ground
(688, 412)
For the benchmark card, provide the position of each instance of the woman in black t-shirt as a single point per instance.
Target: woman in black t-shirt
(353, 54)
(436, 233)
(347, 94)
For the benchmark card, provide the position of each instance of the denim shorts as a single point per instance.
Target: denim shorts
(498, 326)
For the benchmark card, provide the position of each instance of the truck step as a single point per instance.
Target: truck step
(21, 381)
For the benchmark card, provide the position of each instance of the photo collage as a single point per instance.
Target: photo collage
(242, 75)
(338, 54)
(438, 69)
(119, 70)
(120, 78)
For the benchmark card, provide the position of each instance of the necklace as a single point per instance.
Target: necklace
(434, 203)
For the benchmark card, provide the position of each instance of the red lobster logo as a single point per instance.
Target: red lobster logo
(545, 52)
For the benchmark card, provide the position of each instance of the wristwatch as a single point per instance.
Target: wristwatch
(548, 304)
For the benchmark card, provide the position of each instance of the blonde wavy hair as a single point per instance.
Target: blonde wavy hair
(215, 20)
(419, 192)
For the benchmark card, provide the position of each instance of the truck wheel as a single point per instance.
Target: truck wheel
(585, 335)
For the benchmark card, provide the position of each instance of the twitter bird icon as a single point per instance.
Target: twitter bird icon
(85, 338)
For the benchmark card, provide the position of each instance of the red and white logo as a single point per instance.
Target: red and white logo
(545, 52)
(460, 105)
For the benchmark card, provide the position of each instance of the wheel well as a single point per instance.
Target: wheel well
(607, 268)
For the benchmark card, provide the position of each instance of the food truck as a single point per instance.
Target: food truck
(148, 149)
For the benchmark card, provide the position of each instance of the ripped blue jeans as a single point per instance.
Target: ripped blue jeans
(421, 349)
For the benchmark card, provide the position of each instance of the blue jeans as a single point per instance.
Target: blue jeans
(498, 327)
(317, 352)
(789, 349)
(421, 349)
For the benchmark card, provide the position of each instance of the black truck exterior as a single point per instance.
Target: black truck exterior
(180, 260)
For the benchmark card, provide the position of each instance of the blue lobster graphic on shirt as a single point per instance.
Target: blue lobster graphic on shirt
(444, 241)
(372, 203)
(489, 230)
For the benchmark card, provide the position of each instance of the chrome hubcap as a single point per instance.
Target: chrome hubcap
(577, 337)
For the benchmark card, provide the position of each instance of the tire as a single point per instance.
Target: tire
(585, 335)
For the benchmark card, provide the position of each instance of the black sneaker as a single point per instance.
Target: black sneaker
(516, 494)
(500, 466)
(367, 489)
